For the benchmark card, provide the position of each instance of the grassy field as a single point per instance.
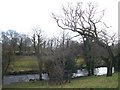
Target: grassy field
(29, 63)
(82, 82)
(23, 63)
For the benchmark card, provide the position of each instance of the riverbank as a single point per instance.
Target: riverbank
(82, 82)
(23, 63)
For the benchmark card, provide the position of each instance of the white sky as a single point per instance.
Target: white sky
(23, 15)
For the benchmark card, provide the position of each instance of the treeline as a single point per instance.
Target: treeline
(55, 53)
(56, 56)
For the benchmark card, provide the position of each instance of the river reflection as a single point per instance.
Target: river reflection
(25, 78)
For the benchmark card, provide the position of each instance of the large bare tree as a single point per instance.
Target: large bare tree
(85, 21)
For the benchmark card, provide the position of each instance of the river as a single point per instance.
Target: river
(26, 78)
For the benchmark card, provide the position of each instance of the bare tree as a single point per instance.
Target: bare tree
(56, 58)
(9, 43)
(84, 21)
(20, 44)
(108, 42)
(38, 43)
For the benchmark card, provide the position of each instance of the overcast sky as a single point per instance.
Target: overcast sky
(23, 15)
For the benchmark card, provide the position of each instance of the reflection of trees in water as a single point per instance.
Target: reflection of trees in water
(33, 77)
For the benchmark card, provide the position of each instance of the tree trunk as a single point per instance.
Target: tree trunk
(40, 76)
(40, 68)
(89, 72)
(88, 56)
(92, 71)
(111, 56)
(110, 63)
(109, 71)
(20, 51)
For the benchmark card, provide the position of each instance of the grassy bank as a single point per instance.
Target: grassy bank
(23, 63)
(82, 82)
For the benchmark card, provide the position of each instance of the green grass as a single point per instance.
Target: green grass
(82, 82)
(119, 80)
(23, 63)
